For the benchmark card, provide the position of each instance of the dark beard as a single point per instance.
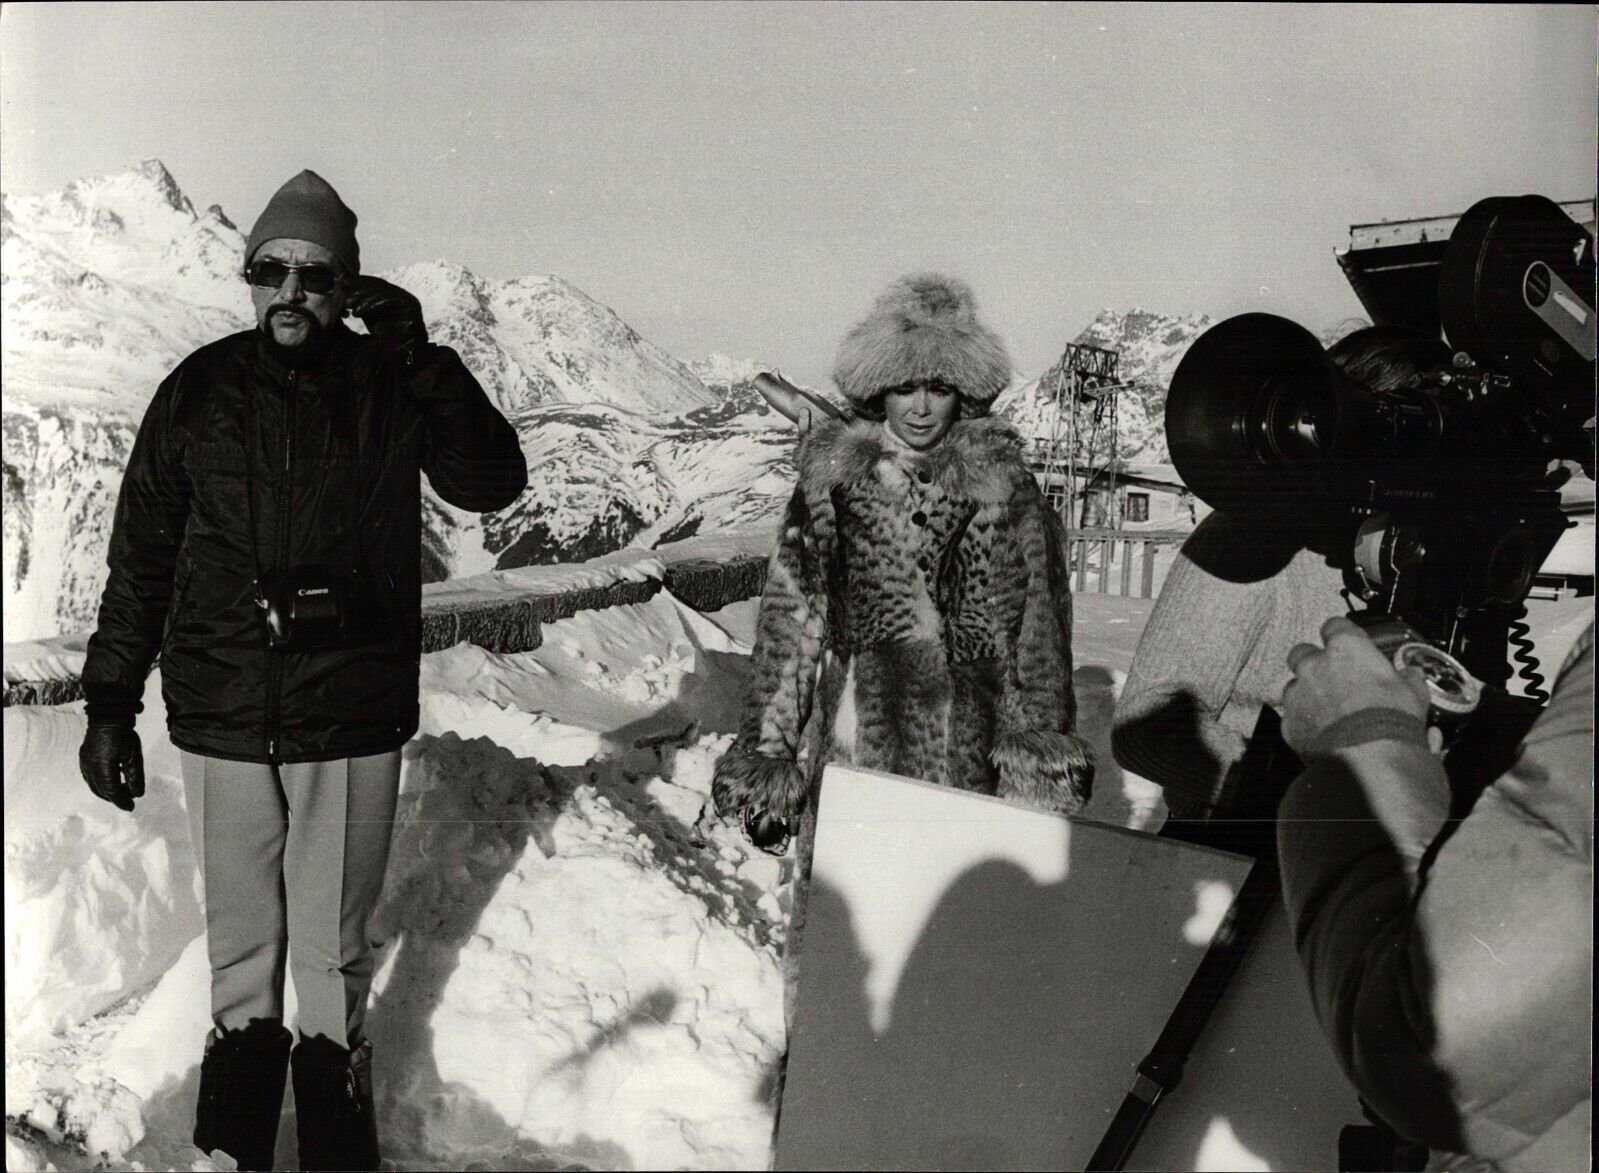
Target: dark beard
(309, 352)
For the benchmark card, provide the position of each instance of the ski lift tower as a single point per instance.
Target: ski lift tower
(1080, 394)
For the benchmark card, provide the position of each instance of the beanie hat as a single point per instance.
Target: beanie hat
(923, 327)
(307, 208)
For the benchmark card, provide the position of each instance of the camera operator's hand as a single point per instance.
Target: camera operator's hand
(113, 764)
(1349, 692)
(392, 315)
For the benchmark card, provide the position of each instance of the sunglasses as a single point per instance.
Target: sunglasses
(313, 278)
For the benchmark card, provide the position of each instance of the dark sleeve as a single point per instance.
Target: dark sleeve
(146, 534)
(470, 452)
(1453, 992)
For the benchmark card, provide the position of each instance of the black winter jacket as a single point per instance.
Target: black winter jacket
(336, 442)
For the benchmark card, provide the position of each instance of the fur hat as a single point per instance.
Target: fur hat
(923, 327)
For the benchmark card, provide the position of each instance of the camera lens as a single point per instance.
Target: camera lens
(1293, 419)
(1510, 567)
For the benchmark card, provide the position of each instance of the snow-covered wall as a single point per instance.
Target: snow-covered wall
(500, 611)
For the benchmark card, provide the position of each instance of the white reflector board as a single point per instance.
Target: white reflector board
(1261, 1089)
(978, 981)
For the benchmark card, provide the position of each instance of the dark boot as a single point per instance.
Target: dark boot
(333, 1105)
(241, 1092)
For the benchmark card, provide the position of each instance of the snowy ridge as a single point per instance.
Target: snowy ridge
(537, 340)
(718, 371)
(1151, 346)
(108, 283)
(548, 322)
(139, 228)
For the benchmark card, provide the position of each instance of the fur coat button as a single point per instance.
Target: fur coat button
(919, 517)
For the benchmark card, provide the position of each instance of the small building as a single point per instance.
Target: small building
(1147, 497)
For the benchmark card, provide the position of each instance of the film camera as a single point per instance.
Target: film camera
(1436, 499)
(1439, 493)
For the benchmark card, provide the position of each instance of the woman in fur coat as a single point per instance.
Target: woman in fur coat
(917, 613)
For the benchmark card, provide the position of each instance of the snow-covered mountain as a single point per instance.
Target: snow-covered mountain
(107, 284)
(534, 340)
(1151, 346)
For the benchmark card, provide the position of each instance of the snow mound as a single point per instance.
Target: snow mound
(97, 903)
(526, 1012)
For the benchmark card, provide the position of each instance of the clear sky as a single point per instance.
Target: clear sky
(744, 178)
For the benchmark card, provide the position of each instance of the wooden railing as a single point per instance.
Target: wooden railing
(507, 622)
(1143, 546)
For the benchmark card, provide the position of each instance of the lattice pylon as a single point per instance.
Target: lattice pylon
(1083, 391)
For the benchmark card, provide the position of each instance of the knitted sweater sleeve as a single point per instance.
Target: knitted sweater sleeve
(1200, 635)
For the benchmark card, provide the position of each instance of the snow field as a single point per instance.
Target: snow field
(568, 977)
(96, 904)
(575, 969)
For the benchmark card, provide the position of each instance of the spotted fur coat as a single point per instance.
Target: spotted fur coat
(917, 620)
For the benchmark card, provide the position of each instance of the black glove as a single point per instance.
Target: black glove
(112, 764)
(766, 831)
(391, 315)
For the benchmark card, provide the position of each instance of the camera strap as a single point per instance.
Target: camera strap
(359, 495)
(249, 486)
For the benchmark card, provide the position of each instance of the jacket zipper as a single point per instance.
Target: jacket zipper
(285, 507)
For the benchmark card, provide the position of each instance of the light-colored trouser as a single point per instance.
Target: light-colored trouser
(292, 859)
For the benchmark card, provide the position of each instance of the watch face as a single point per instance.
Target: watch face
(1451, 688)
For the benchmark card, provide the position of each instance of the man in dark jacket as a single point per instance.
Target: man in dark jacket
(267, 546)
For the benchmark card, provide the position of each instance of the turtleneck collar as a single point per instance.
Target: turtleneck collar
(900, 450)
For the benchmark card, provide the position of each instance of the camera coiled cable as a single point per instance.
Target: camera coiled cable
(1520, 637)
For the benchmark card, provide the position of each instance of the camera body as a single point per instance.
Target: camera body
(1437, 492)
(311, 609)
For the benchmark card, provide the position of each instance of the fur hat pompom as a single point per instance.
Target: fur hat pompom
(923, 327)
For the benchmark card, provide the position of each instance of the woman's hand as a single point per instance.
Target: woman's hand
(767, 832)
